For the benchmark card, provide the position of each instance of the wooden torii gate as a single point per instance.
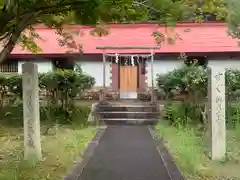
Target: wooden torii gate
(117, 52)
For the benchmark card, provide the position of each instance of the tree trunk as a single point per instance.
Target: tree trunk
(6, 51)
(23, 24)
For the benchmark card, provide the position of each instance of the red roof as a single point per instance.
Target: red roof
(207, 37)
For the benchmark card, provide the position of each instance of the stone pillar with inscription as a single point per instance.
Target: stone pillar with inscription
(31, 115)
(216, 95)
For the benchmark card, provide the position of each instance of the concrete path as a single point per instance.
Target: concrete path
(125, 153)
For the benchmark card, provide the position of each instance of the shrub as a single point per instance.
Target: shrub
(233, 118)
(59, 84)
(13, 114)
(182, 114)
(190, 81)
(189, 84)
(3, 89)
(55, 114)
(64, 85)
(15, 87)
(60, 87)
(233, 84)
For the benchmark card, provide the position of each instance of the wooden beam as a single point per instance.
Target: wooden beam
(127, 55)
(128, 47)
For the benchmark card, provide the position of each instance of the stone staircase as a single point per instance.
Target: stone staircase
(128, 112)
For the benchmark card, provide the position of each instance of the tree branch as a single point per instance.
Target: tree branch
(52, 8)
(57, 6)
(23, 23)
(5, 35)
(137, 3)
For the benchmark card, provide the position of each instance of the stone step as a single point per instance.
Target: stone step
(127, 101)
(126, 112)
(127, 105)
(117, 121)
(129, 114)
(128, 108)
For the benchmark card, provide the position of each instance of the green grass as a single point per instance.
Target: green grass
(189, 149)
(59, 153)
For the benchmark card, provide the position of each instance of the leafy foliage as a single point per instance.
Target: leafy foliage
(182, 114)
(14, 84)
(233, 18)
(12, 114)
(60, 87)
(18, 17)
(189, 85)
(65, 85)
(188, 81)
(191, 81)
(3, 90)
(233, 83)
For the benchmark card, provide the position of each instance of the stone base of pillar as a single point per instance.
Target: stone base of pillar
(153, 96)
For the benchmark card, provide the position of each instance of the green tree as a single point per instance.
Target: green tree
(19, 15)
(233, 18)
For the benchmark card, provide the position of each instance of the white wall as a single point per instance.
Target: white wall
(43, 66)
(161, 67)
(95, 69)
(233, 63)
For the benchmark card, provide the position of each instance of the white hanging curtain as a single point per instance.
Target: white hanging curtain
(117, 57)
(126, 61)
(132, 60)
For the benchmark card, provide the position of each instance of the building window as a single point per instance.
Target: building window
(199, 60)
(63, 63)
(9, 67)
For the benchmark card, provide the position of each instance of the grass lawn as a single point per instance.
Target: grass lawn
(190, 152)
(59, 153)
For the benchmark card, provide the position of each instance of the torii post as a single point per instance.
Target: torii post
(119, 49)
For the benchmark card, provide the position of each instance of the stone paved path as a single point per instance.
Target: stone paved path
(125, 153)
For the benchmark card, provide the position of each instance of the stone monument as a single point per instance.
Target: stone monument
(217, 112)
(31, 115)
